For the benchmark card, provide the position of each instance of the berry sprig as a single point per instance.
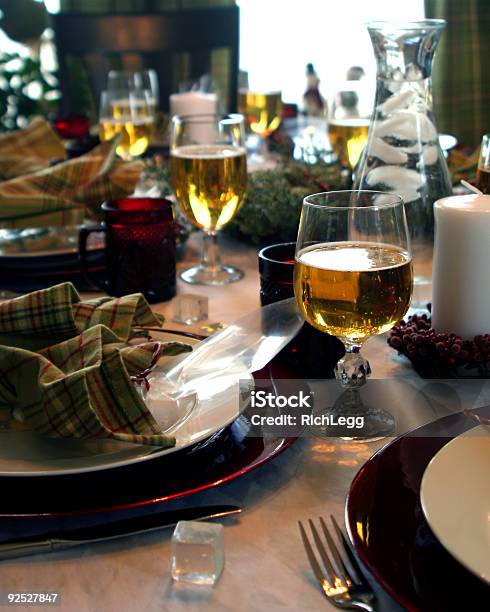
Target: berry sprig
(436, 354)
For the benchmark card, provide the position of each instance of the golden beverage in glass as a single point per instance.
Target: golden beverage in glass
(353, 290)
(353, 278)
(134, 135)
(129, 116)
(348, 138)
(208, 165)
(209, 183)
(262, 111)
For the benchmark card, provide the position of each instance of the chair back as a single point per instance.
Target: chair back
(179, 45)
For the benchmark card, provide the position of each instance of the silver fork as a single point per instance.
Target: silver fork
(344, 588)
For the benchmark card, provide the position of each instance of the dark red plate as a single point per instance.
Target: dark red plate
(388, 530)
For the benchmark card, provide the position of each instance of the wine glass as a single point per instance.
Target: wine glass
(262, 109)
(127, 114)
(209, 175)
(348, 121)
(143, 80)
(483, 172)
(353, 279)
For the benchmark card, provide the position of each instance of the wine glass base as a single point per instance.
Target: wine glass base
(201, 275)
(354, 424)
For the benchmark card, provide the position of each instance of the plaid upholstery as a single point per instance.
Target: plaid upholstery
(461, 75)
(61, 194)
(66, 367)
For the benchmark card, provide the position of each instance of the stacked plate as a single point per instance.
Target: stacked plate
(45, 477)
(35, 258)
(418, 514)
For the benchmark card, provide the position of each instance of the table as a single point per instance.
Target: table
(265, 564)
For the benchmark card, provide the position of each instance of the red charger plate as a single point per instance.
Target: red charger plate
(388, 529)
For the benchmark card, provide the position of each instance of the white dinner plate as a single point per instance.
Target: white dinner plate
(29, 454)
(455, 496)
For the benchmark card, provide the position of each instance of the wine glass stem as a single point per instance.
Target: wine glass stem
(211, 257)
(352, 370)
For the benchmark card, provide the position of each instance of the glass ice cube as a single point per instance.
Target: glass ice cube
(190, 308)
(197, 552)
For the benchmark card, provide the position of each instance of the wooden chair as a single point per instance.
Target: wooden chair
(177, 44)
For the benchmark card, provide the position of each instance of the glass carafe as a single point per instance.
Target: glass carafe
(402, 153)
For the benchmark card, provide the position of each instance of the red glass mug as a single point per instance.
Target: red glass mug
(139, 248)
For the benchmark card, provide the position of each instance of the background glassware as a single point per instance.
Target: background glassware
(209, 176)
(353, 279)
(348, 120)
(262, 110)
(139, 247)
(126, 113)
(144, 80)
(483, 172)
(403, 154)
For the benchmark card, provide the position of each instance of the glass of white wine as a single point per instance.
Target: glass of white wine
(127, 114)
(209, 175)
(353, 279)
(262, 110)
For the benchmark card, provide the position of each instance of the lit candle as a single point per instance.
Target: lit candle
(461, 271)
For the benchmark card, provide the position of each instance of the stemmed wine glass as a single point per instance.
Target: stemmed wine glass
(126, 114)
(262, 109)
(209, 175)
(353, 279)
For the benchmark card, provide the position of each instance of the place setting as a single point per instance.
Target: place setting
(244, 325)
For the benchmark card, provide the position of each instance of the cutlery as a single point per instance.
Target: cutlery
(68, 538)
(344, 588)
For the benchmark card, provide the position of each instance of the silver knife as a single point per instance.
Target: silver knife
(68, 538)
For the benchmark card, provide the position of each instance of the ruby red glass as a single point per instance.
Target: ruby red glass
(72, 126)
(312, 353)
(139, 247)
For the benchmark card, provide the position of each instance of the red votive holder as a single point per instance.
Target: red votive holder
(313, 354)
(139, 247)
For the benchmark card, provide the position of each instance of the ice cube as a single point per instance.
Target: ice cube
(197, 552)
(190, 308)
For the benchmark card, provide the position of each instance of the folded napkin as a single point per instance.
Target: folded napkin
(65, 193)
(29, 149)
(66, 366)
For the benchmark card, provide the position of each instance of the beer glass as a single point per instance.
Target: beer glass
(209, 176)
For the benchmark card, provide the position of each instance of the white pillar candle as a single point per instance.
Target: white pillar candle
(196, 103)
(193, 103)
(461, 271)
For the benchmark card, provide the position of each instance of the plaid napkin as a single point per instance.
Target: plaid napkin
(66, 368)
(63, 194)
(30, 149)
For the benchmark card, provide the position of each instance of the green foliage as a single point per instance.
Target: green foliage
(25, 90)
(273, 204)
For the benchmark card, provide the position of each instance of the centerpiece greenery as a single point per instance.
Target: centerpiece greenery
(272, 206)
